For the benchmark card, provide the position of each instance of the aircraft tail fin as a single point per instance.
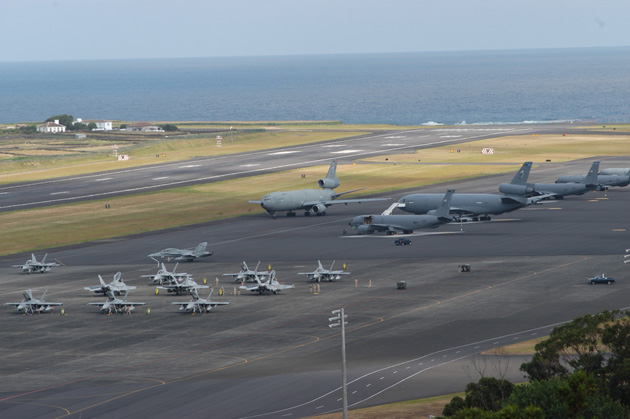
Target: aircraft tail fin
(332, 170)
(445, 206)
(591, 176)
(43, 295)
(44, 258)
(244, 266)
(33, 258)
(320, 264)
(103, 284)
(117, 276)
(201, 247)
(520, 178)
(28, 295)
(331, 181)
(332, 264)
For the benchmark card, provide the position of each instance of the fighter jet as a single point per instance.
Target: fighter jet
(117, 286)
(603, 180)
(247, 274)
(182, 254)
(391, 224)
(478, 206)
(323, 274)
(116, 305)
(199, 305)
(309, 200)
(32, 265)
(270, 286)
(30, 305)
(184, 285)
(555, 190)
(164, 277)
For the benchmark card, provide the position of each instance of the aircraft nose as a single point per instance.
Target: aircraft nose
(355, 221)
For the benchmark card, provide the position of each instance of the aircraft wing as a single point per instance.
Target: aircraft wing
(13, 304)
(308, 273)
(255, 202)
(250, 287)
(538, 198)
(279, 287)
(129, 303)
(46, 303)
(94, 289)
(340, 201)
(20, 266)
(98, 304)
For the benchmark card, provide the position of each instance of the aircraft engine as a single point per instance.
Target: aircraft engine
(330, 183)
(365, 229)
(319, 208)
(511, 189)
(46, 309)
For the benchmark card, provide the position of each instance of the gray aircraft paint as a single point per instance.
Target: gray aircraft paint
(309, 200)
(471, 204)
(367, 224)
(616, 171)
(604, 180)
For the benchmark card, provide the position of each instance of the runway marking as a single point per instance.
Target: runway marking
(390, 145)
(450, 136)
(160, 178)
(189, 166)
(333, 145)
(280, 153)
(250, 165)
(395, 137)
(59, 193)
(103, 179)
(618, 229)
(346, 151)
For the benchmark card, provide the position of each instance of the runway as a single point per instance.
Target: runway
(224, 167)
(274, 356)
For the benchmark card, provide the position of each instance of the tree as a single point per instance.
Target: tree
(91, 126)
(64, 119)
(487, 394)
(169, 127)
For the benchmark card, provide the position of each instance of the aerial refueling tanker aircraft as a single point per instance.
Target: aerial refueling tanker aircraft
(314, 201)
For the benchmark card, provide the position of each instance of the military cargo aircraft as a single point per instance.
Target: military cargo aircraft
(33, 265)
(617, 171)
(322, 274)
(198, 304)
(603, 180)
(478, 206)
(392, 224)
(182, 254)
(31, 305)
(555, 190)
(270, 286)
(310, 200)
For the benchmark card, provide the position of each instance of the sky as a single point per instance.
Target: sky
(44, 30)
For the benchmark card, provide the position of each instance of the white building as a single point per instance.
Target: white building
(101, 124)
(51, 127)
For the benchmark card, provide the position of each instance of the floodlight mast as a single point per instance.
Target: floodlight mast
(340, 320)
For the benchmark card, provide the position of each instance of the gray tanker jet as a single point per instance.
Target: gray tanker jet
(182, 254)
(478, 206)
(617, 171)
(555, 190)
(323, 274)
(310, 200)
(32, 265)
(391, 224)
(198, 304)
(603, 180)
(30, 305)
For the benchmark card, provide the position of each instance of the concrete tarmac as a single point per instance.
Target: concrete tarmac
(275, 356)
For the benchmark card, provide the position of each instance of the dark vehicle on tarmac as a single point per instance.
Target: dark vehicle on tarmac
(402, 241)
(601, 279)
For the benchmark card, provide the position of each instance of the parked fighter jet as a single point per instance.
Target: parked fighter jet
(117, 286)
(30, 305)
(184, 285)
(199, 305)
(270, 286)
(32, 265)
(366, 224)
(116, 305)
(309, 200)
(603, 180)
(323, 274)
(247, 274)
(555, 190)
(164, 277)
(478, 206)
(182, 254)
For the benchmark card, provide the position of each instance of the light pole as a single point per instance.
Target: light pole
(340, 320)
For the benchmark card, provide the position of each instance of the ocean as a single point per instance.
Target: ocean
(519, 86)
